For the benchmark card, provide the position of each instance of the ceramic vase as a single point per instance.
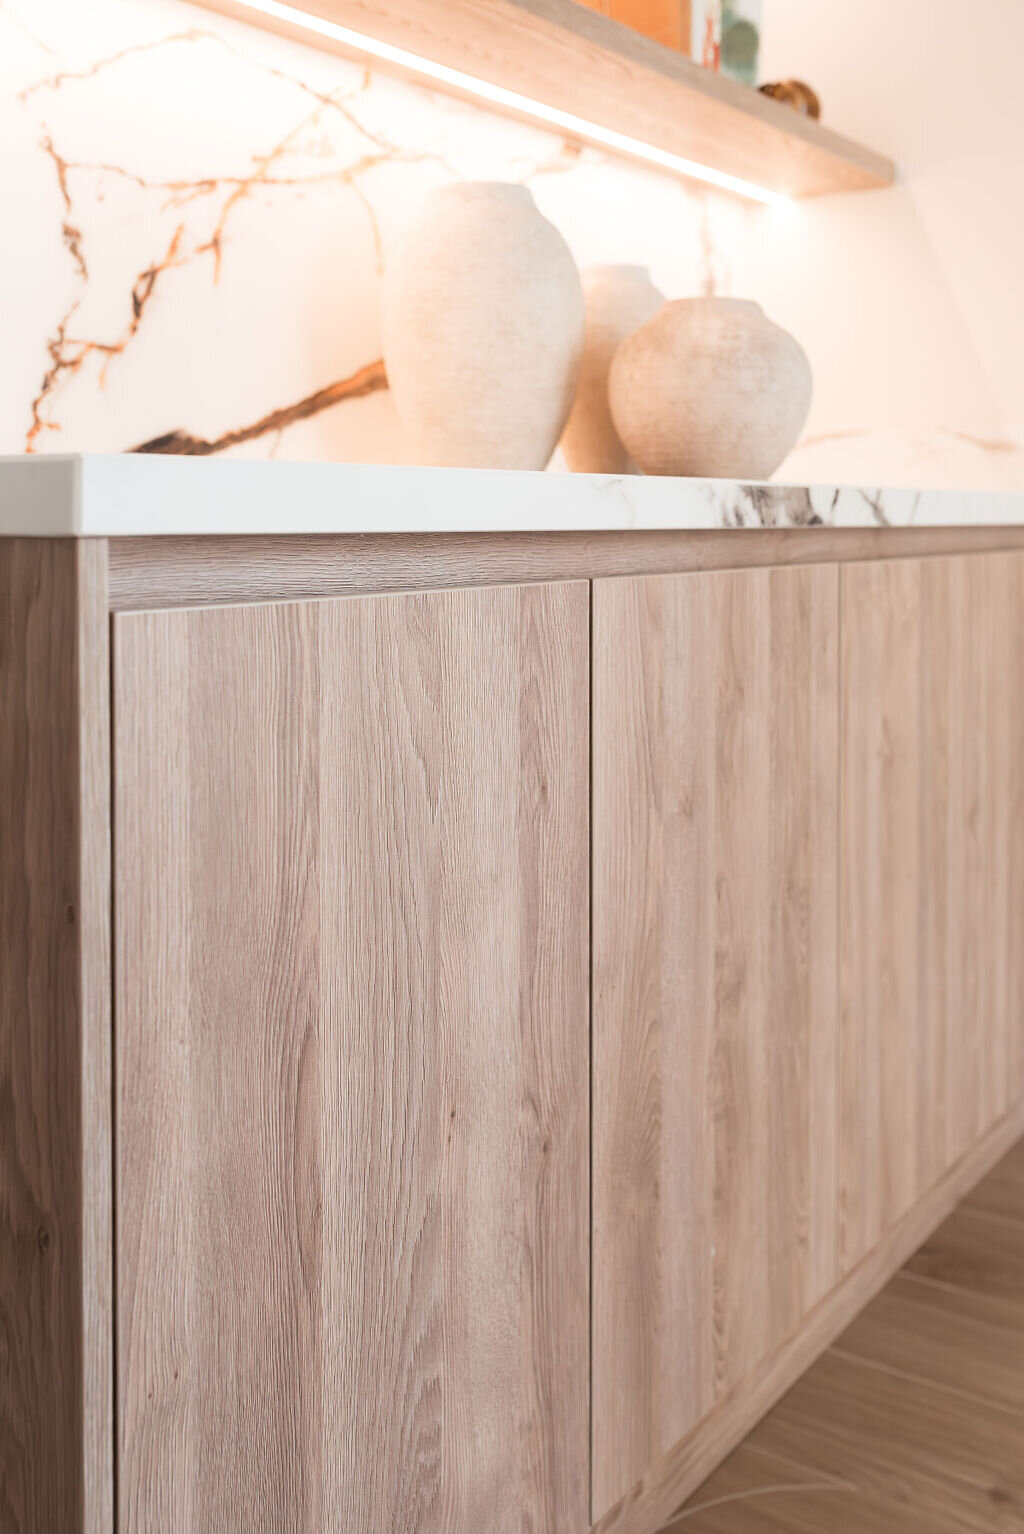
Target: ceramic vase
(710, 388)
(483, 329)
(618, 300)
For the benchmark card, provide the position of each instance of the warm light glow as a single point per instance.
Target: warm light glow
(579, 127)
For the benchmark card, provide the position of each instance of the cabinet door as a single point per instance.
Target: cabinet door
(715, 1019)
(932, 917)
(352, 1064)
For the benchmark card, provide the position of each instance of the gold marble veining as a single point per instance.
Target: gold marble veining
(193, 174)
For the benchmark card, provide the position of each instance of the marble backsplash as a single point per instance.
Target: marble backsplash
(197, 215)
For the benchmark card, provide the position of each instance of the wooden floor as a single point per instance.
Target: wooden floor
(913, 1423)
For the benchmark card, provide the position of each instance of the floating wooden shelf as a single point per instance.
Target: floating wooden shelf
(577, 61)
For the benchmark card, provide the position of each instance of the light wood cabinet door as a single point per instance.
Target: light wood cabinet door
(352, 1068)
(932, 909)
(715, 757)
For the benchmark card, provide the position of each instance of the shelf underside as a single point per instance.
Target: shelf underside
(579, 62)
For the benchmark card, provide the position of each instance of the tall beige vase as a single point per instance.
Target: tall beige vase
(483, 329)
(618, 300)
(710, 388)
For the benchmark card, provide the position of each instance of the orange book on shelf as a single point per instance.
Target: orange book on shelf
(667, 21)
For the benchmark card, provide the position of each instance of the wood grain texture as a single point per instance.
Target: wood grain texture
(567, 56)
(916, 1414)
(56, 1355)
(932, 873)
(351, 958)
(1002, 1193)
(753, 1489)
(714, 1015)
(911, 1455)
(193, 571)
(977, 1252)
(754, 1492)
(96, 970)
(968, 1342)
(667, 1483)
(915, 1444)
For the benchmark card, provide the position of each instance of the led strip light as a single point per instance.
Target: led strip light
(497, 95)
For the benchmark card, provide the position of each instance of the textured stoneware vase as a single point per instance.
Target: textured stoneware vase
(618, 300)
(710, 388)
(483, 329)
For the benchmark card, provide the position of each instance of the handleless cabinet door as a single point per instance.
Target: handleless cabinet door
(715, 764)
(352, 1065)
(932, 910)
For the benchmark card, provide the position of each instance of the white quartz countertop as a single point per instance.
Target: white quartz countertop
(117, 496)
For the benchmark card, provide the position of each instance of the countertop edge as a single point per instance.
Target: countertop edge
(123, 495)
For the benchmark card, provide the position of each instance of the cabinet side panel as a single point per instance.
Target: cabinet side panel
(96, 971)
(1009, 638)
(56, 1364)
(715, 889)
(353, 1063)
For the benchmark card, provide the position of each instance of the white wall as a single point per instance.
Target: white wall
(911, 299)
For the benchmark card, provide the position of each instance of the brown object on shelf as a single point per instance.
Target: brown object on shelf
(666, 21)
(568, 57)
(795, 94)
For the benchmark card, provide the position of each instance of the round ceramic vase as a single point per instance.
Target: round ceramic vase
(618, 300)
(710, 388)
(483, 329)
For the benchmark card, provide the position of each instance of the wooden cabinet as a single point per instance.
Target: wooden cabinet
(808, 1009)
(341, 1186)
(932, 913)
(352, 1142)
(715, 754)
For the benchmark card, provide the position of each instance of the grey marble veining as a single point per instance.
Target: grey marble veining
(737, 505)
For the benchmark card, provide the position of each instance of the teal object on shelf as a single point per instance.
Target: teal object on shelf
(741, 39)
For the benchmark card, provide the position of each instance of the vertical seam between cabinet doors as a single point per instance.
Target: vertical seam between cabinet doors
(114, 1308)
(837, 1235)
(590, 1050)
